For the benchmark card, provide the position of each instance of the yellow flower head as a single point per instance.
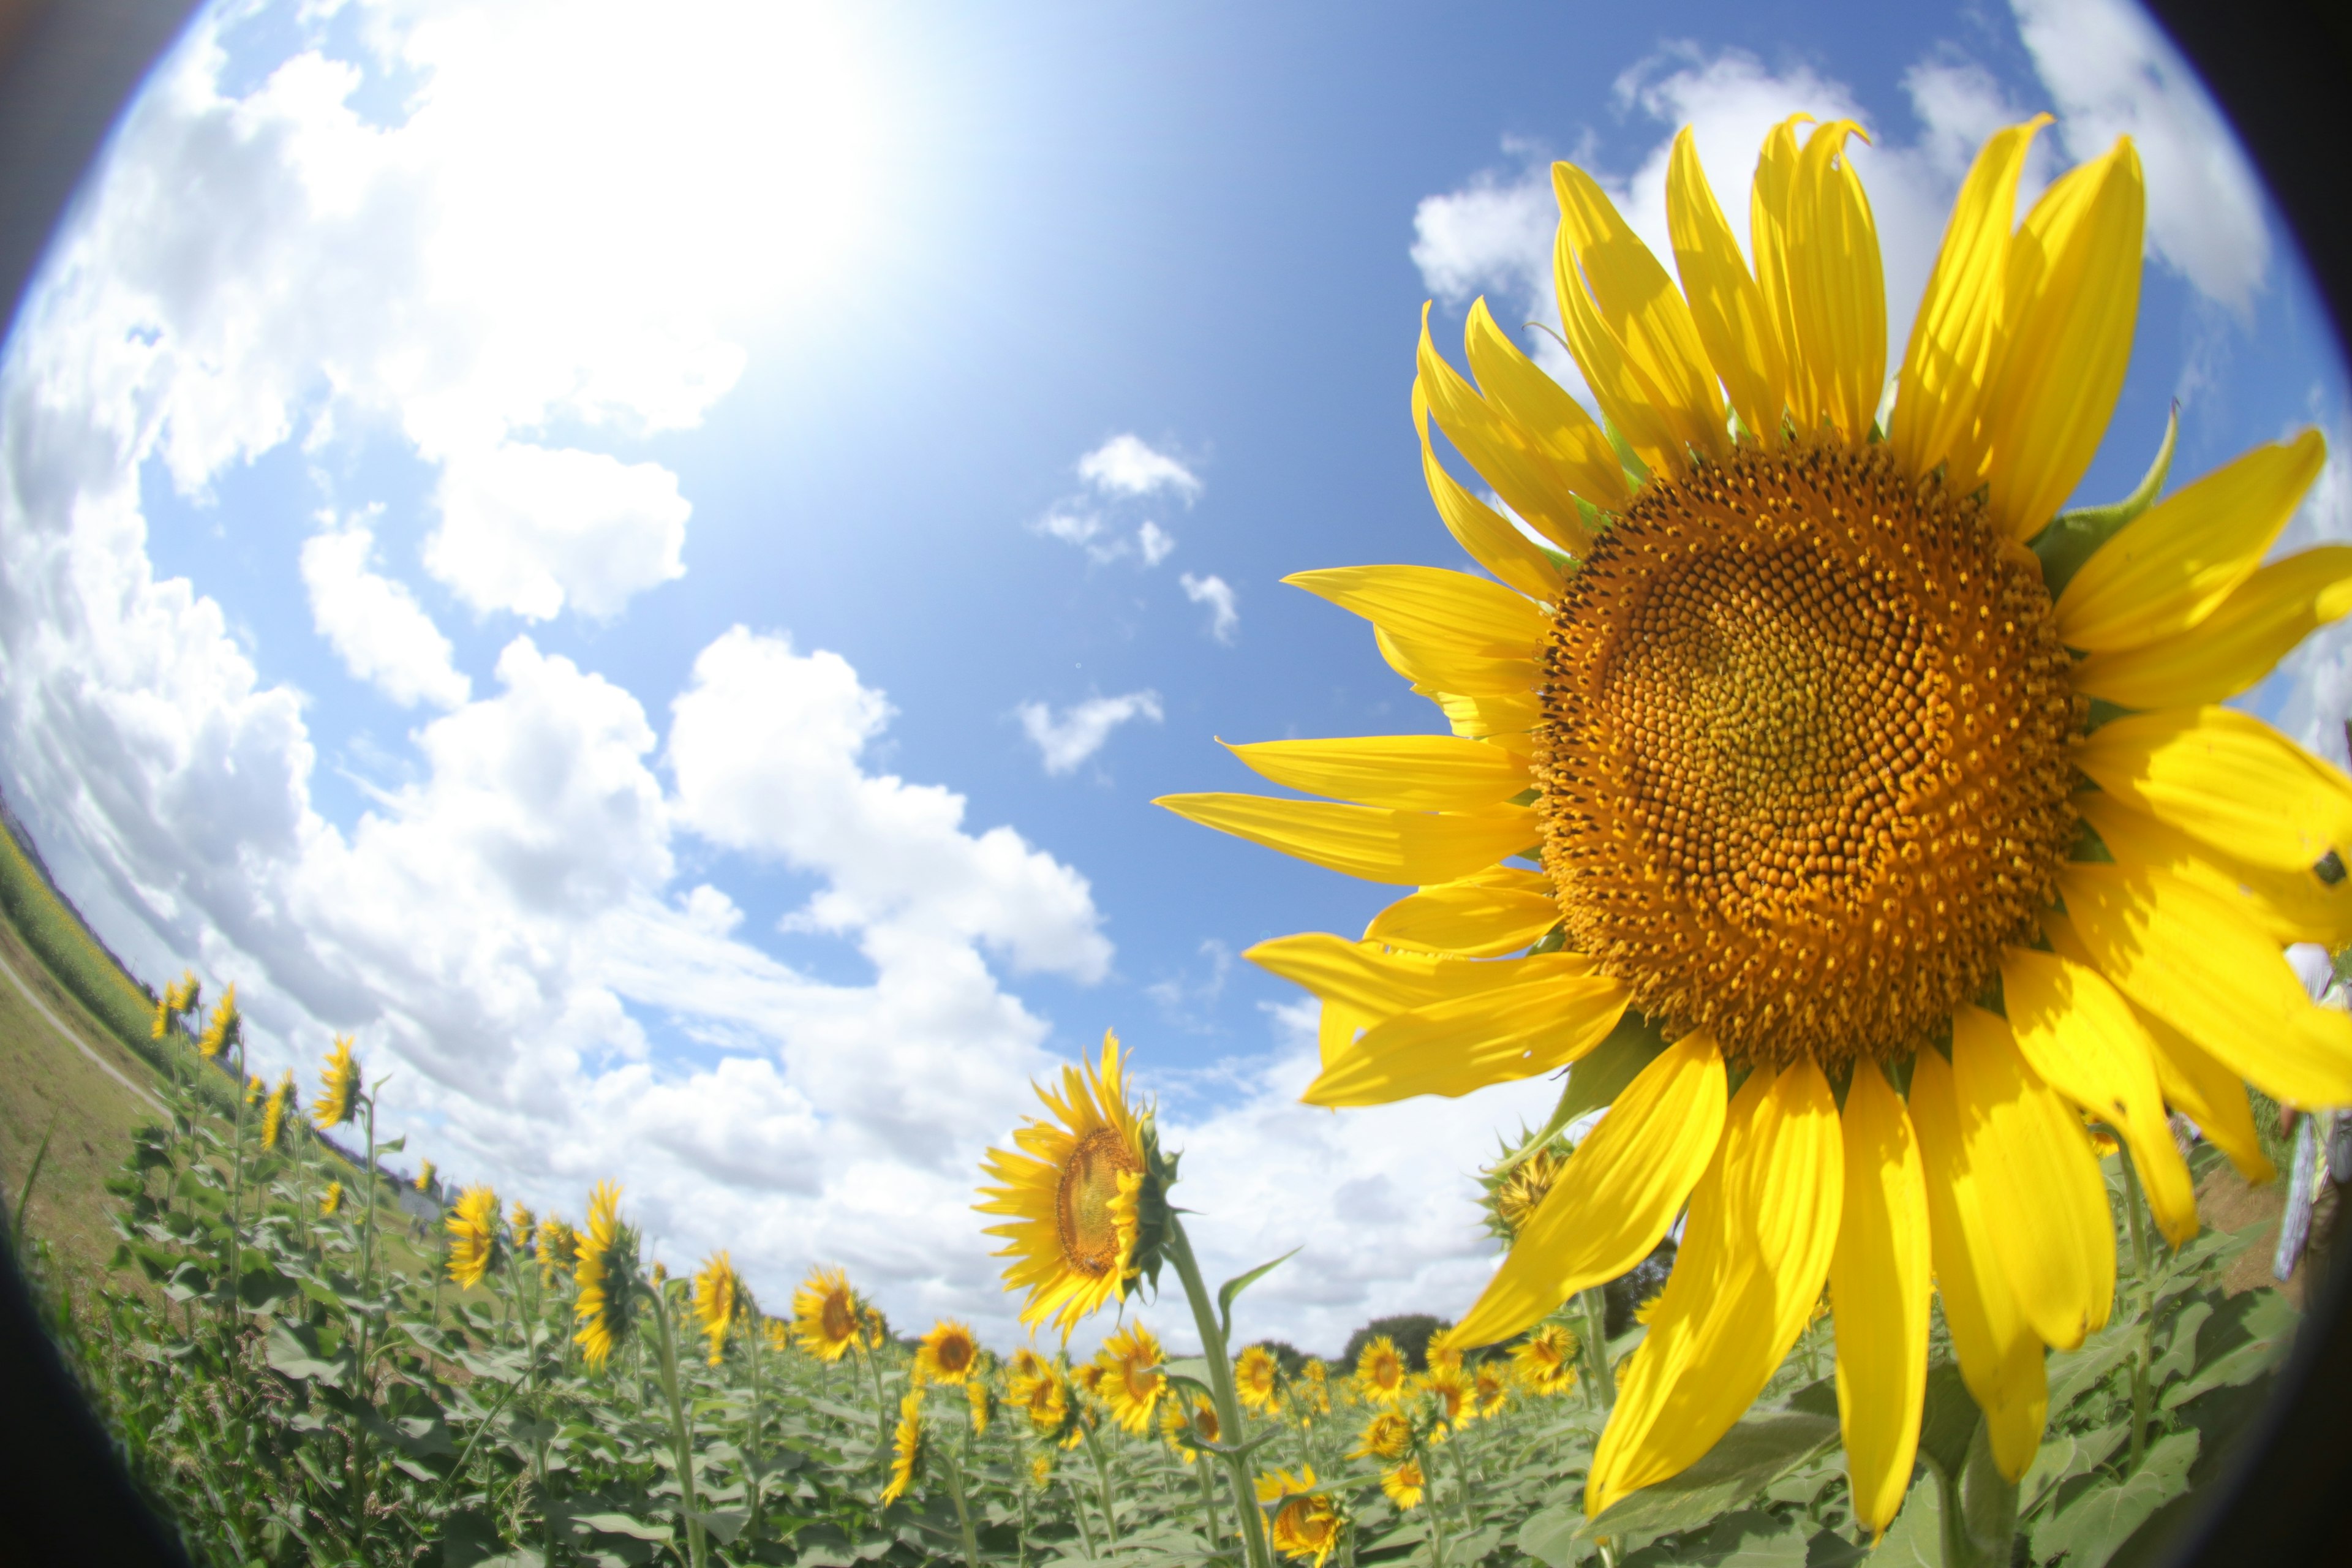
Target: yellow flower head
(1085, 1195)
(339, 1086)
(167, 1010)
(1257, 1378)
(1649, 1308)
(1546, 1360)
(949, 1352)
(1041, 1469)
(1513, 1192)
(983, 1402)
(425, 1176)
(825, 1314)
(1307, 1526)
(557, 1246)
(1129, 1381)
(1490, 1387)
(474, 1237)
(720, 1301)
(227, 1027)
(274, 1108)
(522, 1222)
(1186, 1422)
(877, 1328)
(332, 1201)
(905, 1446)
(1387, 1435)
(1045, 1400)
(1381, 1372)
(606, 1271)
(1404, 1485)
(776, 1333)
(1273, 1486)
(1442, 1354)
(1314, 1386)
(1806, 705)
(1449, 1393)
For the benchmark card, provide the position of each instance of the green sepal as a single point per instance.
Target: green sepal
(1153, 1217)
(2072, 537)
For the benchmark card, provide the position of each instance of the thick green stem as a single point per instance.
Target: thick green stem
(681, 1438)
(1079, 1514)
(1596, 1339)
(367, 1231)
(1208, 1504)
(1220, 1391)
(236, 1194)
(964, 1509)
(1102, 1478)
(2142, 1354)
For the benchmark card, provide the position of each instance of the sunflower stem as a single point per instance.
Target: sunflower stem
(1102, 1476)
(681, 1439)
(2133, 1201)
(1221, 1389)
(963, 1510)
(1596, 1339)
(1208, 1504)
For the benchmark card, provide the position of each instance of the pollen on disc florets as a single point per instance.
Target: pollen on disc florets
(1805, 757)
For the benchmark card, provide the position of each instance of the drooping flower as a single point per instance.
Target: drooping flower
(607, 1272)
(1045, 1397)
(273, 1110)
(825, 1314)
(227, 1027)
(339, 1086)
(1404, 1485)
(557, 1246)
(984, 1404)
(1387, 1435)
(1381, 1372)
(949, 1352)
(1546, 1358)
(331, 1202)
(425, 1176)
(474, 1237)
(521, 1223)
(1131, 1382)
(905, 1446)
(1085, 1193)
(873, 1327)
(720, 1301)
(1806, 713)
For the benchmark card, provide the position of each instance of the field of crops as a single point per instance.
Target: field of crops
(289, 1392)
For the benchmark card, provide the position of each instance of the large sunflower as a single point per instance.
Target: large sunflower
(825, 1320)
(1888, 815)
(949, 1352)
(607, 1272)
(1081, 1193)
(474, 1237)
(1131, 1383)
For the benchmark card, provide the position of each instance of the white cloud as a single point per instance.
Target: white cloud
(2111, 73)
(375, 624)
(1077, 732)
(1084, 530)
(1126, 466)
(1155, 542)
(1224, 612)
(531, 529)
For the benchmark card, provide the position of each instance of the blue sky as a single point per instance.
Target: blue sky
(422, 396)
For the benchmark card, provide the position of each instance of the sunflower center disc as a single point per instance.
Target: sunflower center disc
(1805, 753)
(838, 1317)
(1082, 1201)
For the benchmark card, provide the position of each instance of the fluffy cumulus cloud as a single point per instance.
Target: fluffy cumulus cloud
(531, 529)
(1067, 738)
(1120, 476)
(1223, 603)
(1128, 466)
(375, 623)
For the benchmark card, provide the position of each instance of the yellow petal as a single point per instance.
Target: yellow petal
(1491, 716)
(1408, 772)
(1631, 331)
(1466, 1043)
(1479, 529)
(2287, 906)
(1767, 231)
(1483, 916)
(1539, 406)
(2171, 567)
(1507, 456)
(2235, 645)
(1762, 1252)
(2068, 304)
(1879, 1282)
(1835, 283)
(1614, 1199)
(1727, 307)
(1446, 667)
(2045, 1203)
(1411, 847)
(1378, 985)
(2001, 1358)
(2083, 1039)
(1947, 368)
(2182, 955)
(2228, 779)
(1433, 606)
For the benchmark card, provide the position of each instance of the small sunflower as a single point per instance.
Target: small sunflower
(1315, 1381)
(425, 1176)
(273, 1110)
(1306, 1522)
(1087, 1192)
(474, 1237)
(905, 1446)
(1388, 1436)
(339, 1086)
(1187, 1423)
(1257, 1379)
(1045, 1398)
(606, 1271)
(720, 1302)
(873, 1327)
(1546, 1358)
(982, 1402)
(1129, 1381)
(168, 1008)
(1490, 1388)
(948, 1353)
(331, 1202)
(1405, 1485)
(557, 1246)
(1441, 1353)
(1449, 1395)
(776, 1333)
(1041, 1469)
(825, 1314)
(1799, 711)
(1381, 1372)
(521, 1223)
(1517, 1187)
(227, 1027)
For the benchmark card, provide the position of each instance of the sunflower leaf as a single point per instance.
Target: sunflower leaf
(1239, 1283)
(2073, 537)
(1750, 1456)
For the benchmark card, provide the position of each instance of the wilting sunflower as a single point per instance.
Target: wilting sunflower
(339, 1086)
(1257, 1378)
(557, 1246)
(473, 1236)
(1801, 721)
(1131, 1383)
(1546, 1360)
(1086, 1194)
(331, 1202)
(948, 1353)
(905, 1446)
(825, 1314)
(273, 1110)
(1305, 1524)
(227, 1027)
(720, 1302)
(1381, 1372)
(1405, 1485)
(1387, 1435)
(606, 1271)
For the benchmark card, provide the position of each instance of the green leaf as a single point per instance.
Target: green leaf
(726, 1525)
(2179, 1357)
(1555, 1536)
(2074, 1373)
(1752, 1539)
(293, 1352)
(1750, 1456)
(2061, 1458)
(622, 1524)
(2243, 1339)
(1239, 1283)
(1915, 1539)
(2072, 537)
(2089, 1529)
(1947, 1421)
